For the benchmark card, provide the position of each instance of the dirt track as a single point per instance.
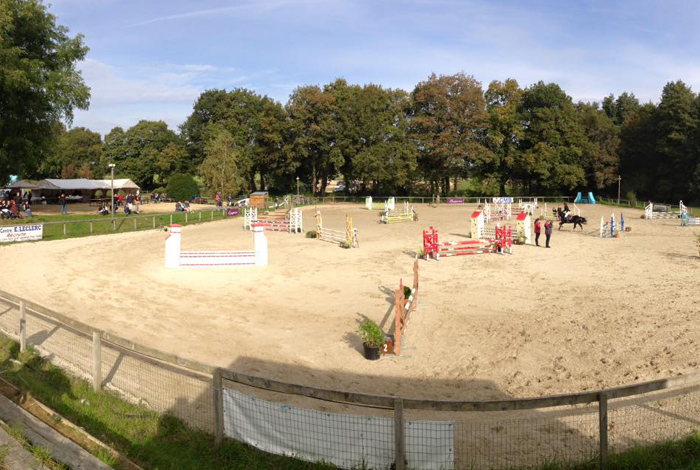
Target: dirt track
(586, 314)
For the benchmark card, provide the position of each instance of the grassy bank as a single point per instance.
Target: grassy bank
(149, 439)
(165, 443)
(58, 227)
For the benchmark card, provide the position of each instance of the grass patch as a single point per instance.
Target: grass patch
(148, 438)
(85, 225)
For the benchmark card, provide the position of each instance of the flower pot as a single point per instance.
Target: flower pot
(371, 354)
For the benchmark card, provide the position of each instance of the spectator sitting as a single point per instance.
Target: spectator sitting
(103, 210)
(127, 208)
(178, 206)
(14, 209)
(186, 206)
(27, 208)
(4, 211)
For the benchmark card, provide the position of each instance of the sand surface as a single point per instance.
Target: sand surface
(586, 314)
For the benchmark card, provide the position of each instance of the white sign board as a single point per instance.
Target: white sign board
(21, 233)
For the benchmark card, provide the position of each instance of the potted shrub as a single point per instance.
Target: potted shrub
(372, 338)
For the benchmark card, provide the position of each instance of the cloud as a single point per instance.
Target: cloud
(251, 8)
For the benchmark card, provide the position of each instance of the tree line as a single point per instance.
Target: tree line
(448, 135)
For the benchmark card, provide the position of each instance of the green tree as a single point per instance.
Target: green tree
(552, 142)
(220, 167)
(256, 123)
(78, 152)
(621, 108)
(144, 152)
(182, 187)
(677, 144)
(449, 122)
(311, 115)
(505, 130)
(600, 158)
(381, 156)
(637, 152)
(39, 83)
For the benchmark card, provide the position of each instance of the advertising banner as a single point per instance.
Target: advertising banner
(454, 200)
(21, 233)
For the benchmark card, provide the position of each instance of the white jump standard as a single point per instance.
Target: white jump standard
(175, 258)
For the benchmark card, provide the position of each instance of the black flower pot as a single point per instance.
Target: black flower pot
(371, 353)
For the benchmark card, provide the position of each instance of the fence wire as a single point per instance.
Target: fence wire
(654, 418)
(354, 436)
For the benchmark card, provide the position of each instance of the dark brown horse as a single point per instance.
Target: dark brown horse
(571, 219)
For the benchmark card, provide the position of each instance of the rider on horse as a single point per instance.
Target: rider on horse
(567, 212)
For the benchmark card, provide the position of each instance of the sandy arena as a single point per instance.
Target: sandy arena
(588, 313)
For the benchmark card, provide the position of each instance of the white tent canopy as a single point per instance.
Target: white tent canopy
(118, 184)
(82, 184)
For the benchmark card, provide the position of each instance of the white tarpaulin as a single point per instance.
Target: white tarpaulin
(21, 233)
(347, 441)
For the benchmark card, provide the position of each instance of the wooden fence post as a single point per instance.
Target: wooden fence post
(64, 229)
(212, 214)
(91, 227)
(96, 361)
(218, 390)
(199, 214)
(22, 326)
(171, 219)
(399, 435)
(114, 225)
(186, 217)
(154, 221)
(603, 429)
(135, 227)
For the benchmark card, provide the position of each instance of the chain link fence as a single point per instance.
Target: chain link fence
(354, 430)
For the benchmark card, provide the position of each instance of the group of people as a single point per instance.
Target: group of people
(183, 206)
(11, 210)
(131, 203)
(14, 205)
(156, 198)
(547, 231)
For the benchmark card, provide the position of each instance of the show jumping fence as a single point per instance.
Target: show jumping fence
(351, 429)
(347, 237)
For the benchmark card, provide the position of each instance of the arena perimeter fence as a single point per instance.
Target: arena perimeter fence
(356, 430)
(82, 227)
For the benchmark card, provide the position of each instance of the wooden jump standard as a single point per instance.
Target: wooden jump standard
(403, 308)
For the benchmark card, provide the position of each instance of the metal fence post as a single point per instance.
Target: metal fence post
(22, 326)
(96, 361)
(218, 390)
(171, 219)
(212, 214)
(603, 429)
(199, 215)
(135, 228)
(64, 229)
(91, 230)
(154, 221)
(114, 225)
(399, 435)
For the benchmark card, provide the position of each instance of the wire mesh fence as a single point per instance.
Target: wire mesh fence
(359, 430)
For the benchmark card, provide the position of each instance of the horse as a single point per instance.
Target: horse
(571, 219)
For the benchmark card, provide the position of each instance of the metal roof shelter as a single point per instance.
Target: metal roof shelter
(119, 184)
(22, 185)
(82, 184)
(69, 185)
